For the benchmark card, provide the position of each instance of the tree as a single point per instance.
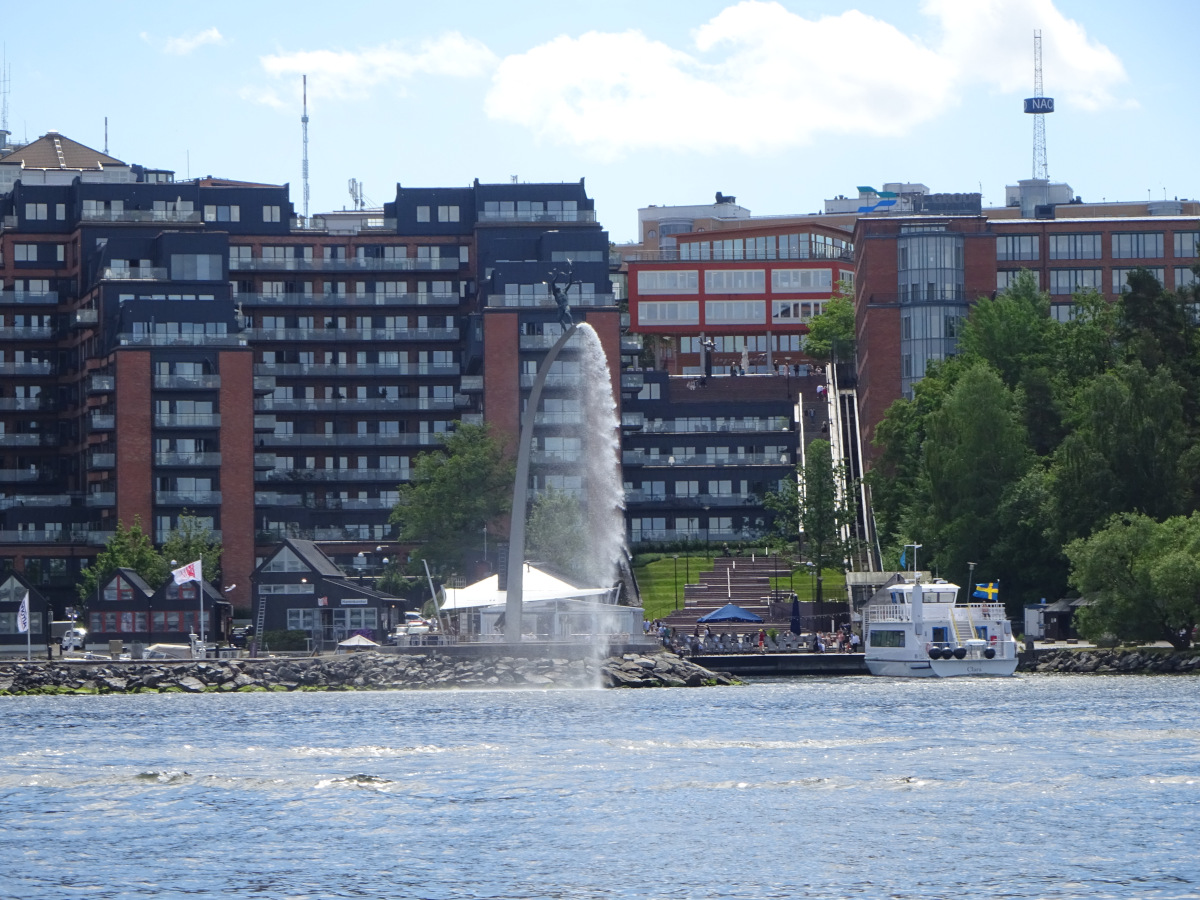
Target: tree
(556, 533)
(128, 548)
(1142, 578)
(453, 494)
(192, 539)
(830, 335)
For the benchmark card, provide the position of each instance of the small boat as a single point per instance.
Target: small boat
(915, 630)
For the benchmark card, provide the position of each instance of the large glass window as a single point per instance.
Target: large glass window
(1186, 244)
(1017, 246)
(669, 281)
(801, 279)
(1005, 277)
(735, 281)
(1120, 278)
(1068, 281)
(1137, 245)
(683, 312)
(1075, 246)
(745, 312)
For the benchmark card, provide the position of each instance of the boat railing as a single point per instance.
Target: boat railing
(887, 612)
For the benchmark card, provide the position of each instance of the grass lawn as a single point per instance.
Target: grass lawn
(833, 584)
(658, 584)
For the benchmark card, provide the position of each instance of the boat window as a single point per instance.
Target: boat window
(940, 634)
(981, 632)
(887, 638)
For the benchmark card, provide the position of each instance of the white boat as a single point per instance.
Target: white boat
(915, 630)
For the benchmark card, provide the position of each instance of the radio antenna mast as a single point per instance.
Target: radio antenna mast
(1040, 168)
(5, 80)
(304, 161)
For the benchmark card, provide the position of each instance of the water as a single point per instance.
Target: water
(1033, 787)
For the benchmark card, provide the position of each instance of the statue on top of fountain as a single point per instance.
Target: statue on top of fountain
(560, 292)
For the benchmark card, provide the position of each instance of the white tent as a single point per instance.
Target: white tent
(536, 586)
(357, 642)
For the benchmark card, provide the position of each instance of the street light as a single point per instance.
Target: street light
(677, 581)
(970, 577)
(707, 525)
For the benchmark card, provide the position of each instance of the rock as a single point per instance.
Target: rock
(191, 684)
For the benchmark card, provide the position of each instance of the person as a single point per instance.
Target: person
(762, 640)
(854, 642)
(818, 644)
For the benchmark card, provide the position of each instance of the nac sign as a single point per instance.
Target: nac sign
(1039, 104)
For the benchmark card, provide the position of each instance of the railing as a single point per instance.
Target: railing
(352, 334)
(21, 476)
(546, 341)
(42, 403)
(187, 459)
(583, 216)
(57, 536)
(264, 460)
(631, 343)
(103, 421)
(38, 367)
(355, 440)
(696, 536)
(344, 533)
(101, 499)
(545, 300)
(558, 418)
(264, 422)
(748, 254)
(369, 404)
(36, 500)
(683, 426)
(99, 384)
(357, 371)
(632, 381)
(471, 383)
(264, 383)
(318, 223)
(638, 458)
(314, 477)
(186, 498)
(103, 460)
(26, 332)
(111, 273)
(187, 382)
(82, 318)
(554, 379)
(298, 501)
(366, 264)
(28, 440)
(404, 299)
(40, 298)
(140, 216)
(187, 420)
(181, 340)
(554, 457)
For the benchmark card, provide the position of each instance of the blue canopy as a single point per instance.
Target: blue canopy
(730, 612)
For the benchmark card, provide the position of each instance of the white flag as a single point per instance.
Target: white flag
(190, 572)
(23, 615)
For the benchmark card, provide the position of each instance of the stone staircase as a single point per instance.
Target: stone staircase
(741, 580)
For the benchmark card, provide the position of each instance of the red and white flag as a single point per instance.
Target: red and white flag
(190, 572)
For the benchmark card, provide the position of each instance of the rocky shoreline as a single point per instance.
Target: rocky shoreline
(360, 671)
(1108, 662)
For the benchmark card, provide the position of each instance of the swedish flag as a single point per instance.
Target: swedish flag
(988, 591)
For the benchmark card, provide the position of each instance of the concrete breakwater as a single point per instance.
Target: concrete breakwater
(1107, 662)
(360, 671)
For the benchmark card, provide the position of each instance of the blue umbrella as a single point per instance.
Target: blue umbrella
(730, 612)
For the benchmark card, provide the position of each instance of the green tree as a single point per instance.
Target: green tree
(1013, 332)
(557, 534)
(191, 540)
(128, 548)
(830, 335)
(453, 494)
(1142, 578)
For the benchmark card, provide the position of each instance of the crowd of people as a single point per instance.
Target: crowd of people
(702, 639)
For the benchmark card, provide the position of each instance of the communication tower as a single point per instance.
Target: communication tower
(5, 80)
(304, 161)
(1038, 106)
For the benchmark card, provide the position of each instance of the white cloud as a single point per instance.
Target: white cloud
(186, 43)
(761, 78)
(353, 74)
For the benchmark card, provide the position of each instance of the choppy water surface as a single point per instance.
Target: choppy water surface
(1039, 787)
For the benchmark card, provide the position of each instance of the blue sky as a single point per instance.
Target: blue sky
(780, 104)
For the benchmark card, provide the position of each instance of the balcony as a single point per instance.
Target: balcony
(142, 216)
(639, 458)
(181, 340)
(639, 496)
(28, 404)
(264, 461)
(264, 423)
(54, 536)
(187, 382)
(443, 370)
(558, 418)
(152, 273)
(632, 381)
(472, 384)
(187, 459)
(187, 420)
(471, 418)
(39, 298)
(633, 421)
(101, 499)
(38, 367)
(507, 217)
(102, 384)
(264, 384)
(326, 335)
(631, 343)
(777, 424)
(368, 404)
(554, 457)
(547, 302)
(21, 476)
(102, 421)
(368, 224)
(414, 439)
(554, 380)
(103, 460)
(26, 333)
(300, 501)
(85, 318)
(546, 341)
(314, 477)
(341, 300)
(187, 498)
(28, 440)
(291, 264)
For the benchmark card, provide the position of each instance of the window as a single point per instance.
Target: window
(1005, 278)
(1017, 246)
(60, 252)
(669, 313)
(196, 267)
(222, 214)
(881, 638)
(1068, 281)
(447, 213)
(801, 279)
(746, 312)
(1137, 245)
(1186, 243)
(1075, 246)
(24, 252)
(270, 213)
(669, 281)
(1120, 278)
(60, 211)
(36, 211)
(422, 213)
(735, 281)
(1184, 277)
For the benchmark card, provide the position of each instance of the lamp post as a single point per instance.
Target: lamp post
(707, 524)
(970, 578)
(915, 548)
(677, 581)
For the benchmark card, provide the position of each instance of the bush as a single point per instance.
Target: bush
(286, 640)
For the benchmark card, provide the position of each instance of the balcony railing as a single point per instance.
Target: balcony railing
(103, 421)
(187, 420)
(39, 298)
(187, 382)
(369, 404)
(546, 341)
(443, 370)
(264, 460)
(471, 383)
(414, 439)
(291, 264)
(748, 254)
(581, 216)
(352, 334)
(103, 460)
(340, 300)
(152, 273)
(554, 457)
(26, 332)
(83, 318)
(274, 498)
(187, 459)
(314, 477)
(728, 426)
(21, 476)
(58, 501)
(29, 404)
(100, 384)
(187, 498)
(101, 499)
(181, 340)
(638, 458)
(553, 379)
(142, 216)
(38, 367)
(545, 300)
(558, 418)
(28, 440)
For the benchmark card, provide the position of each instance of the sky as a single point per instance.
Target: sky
(780, 104)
